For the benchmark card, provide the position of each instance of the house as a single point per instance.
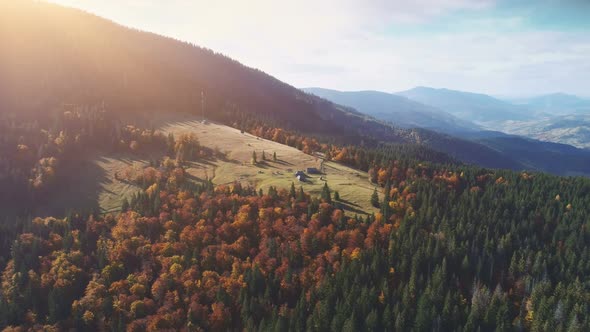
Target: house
(300, 175)
(313, 170)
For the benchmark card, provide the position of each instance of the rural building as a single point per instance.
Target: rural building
(300, 175)
(313, 170)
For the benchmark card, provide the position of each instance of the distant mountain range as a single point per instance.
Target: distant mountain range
(557, 117)
(398, 110)
(466, 140)
(467, 105)
(555, 104)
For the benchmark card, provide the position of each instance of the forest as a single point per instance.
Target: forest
(454, 247)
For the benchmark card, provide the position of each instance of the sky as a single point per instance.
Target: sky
(511, 48)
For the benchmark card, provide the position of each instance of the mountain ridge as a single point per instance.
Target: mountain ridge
(399, 110)
(45, 64)
(471, 106)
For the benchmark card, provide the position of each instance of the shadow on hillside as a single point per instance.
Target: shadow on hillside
(202, 161)
(282, 162)
(195, 179)
(349, 203)
(78, 187)
(347, 206)
(264, 165)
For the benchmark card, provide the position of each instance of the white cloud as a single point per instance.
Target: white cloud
(341, 44)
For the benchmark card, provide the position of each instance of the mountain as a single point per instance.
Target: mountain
(51, 55)
(396, 109)
(466, 105)
(556, 104)
(467, 142)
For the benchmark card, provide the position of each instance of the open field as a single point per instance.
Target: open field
(353, 185)
(92, 184)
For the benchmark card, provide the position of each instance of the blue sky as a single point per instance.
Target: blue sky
(509, 48)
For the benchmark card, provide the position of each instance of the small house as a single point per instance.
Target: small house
(313, 170)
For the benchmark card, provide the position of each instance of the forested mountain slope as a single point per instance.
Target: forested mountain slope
(52, 55)
(452, 248)
(444, 247)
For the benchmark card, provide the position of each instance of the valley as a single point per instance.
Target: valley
(573, 129)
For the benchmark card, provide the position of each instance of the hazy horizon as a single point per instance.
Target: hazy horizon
(493, 47)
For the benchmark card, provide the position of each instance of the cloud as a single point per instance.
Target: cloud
(354, 45)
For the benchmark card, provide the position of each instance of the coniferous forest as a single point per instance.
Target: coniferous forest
(454, 247)
(453, 234)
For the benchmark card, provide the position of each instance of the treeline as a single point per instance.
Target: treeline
(365, 156)
(35, 152)
(453, 248)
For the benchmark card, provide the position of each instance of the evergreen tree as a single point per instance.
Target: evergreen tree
(326, 195)
(375, 198)
(301, 195)
(125, 205)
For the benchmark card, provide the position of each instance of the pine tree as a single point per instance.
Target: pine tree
(336, 195)
(301, 195)
(125, 205)
(375, 198)
(292, 192)
(326, 196)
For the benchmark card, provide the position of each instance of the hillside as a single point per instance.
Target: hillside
(396, 109)
(464, 140)
(466, 105)
(452, 248)
(45, 63)
(150, 185)
(94, 181)
(555, 104)
(353, 185)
